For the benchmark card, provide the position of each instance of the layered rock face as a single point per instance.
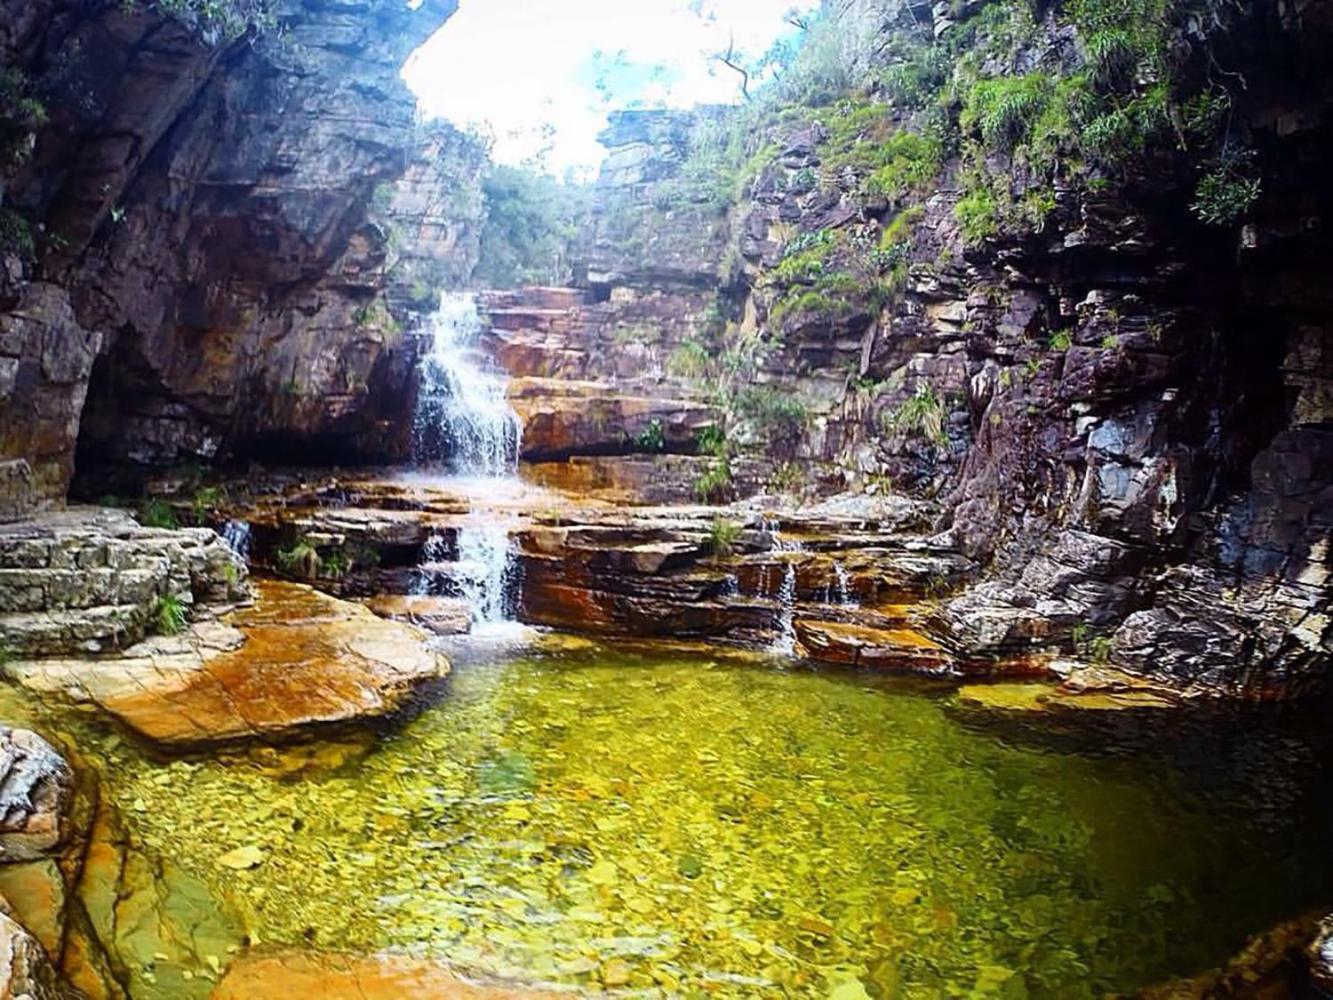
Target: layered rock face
(229, 237)
(90, 581)
(1122, 413)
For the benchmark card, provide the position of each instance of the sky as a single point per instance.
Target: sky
(527, 71)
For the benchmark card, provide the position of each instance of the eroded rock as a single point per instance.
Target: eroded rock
(35, 790)
(295, 660)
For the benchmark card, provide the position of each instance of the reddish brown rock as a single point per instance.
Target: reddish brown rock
(562, 418)
(295, 660)
(878, 649)
(346, 977)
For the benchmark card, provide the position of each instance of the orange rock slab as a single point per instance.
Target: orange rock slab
(879, 649)
(299, 975)
(295, 660)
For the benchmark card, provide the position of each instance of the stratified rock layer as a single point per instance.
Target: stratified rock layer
(92, 579)
(295, 660)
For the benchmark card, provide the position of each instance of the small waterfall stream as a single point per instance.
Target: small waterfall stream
(464, 423)
(785, 642)
(463, 419)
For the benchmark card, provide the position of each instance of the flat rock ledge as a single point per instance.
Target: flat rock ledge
(295, 660)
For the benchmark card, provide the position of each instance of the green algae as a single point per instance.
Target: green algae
(677, 824)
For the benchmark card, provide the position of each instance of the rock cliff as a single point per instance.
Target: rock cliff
(1117, 399)
(217, 230)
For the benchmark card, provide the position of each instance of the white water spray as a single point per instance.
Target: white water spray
(463, 418)
(237, 536)
(485, 568)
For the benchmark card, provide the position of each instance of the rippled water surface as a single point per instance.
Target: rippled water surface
(678, 822)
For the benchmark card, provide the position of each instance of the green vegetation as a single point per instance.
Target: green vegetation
(228, 17)
(652, 437)
(712, 440)
(977, 213)
(1227, 189)
(924, 415)
(168, 615)
(207, 499)
(299, 560)
(5, 654)
(1062, 340)
(21, 114)
(16, 235)
(722, 537)
(777, 415)
(714, 484)
(157, 513)
(690, 360)
(531, 220)
(335, 563)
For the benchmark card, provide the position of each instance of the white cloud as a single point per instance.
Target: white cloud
(509, 66)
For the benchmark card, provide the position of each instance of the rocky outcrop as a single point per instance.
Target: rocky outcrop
(92, 580)
(237, 226)
(296, 660)
(1124, 411)
(35, 790)
(25, 971)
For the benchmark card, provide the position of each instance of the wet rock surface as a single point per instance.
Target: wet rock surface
(296, 660)
(36, 786)
(25, 971)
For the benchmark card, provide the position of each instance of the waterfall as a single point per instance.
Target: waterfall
(464, 423)
(463, 419)
(842, 590)
(237, 536)
(785, 643)
(485, 565)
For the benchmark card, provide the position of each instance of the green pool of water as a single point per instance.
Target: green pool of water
(679, 823)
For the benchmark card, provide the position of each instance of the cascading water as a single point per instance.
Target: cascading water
(842, 589)
(464, 423)
(237, 536)
(485, 565)
(785, 643)
(463, 419)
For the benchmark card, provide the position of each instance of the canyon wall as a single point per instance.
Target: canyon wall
(217, 233)
(1119, 407)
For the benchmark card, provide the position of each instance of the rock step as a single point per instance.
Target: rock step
(878, 649)
(91, 630)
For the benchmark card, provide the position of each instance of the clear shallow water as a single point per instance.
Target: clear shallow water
(673, 822)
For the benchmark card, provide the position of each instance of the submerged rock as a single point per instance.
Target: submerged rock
(347, 977)
(297, 659)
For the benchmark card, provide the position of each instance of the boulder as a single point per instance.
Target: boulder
(877, 649)
(36, 786)
(25, 971)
